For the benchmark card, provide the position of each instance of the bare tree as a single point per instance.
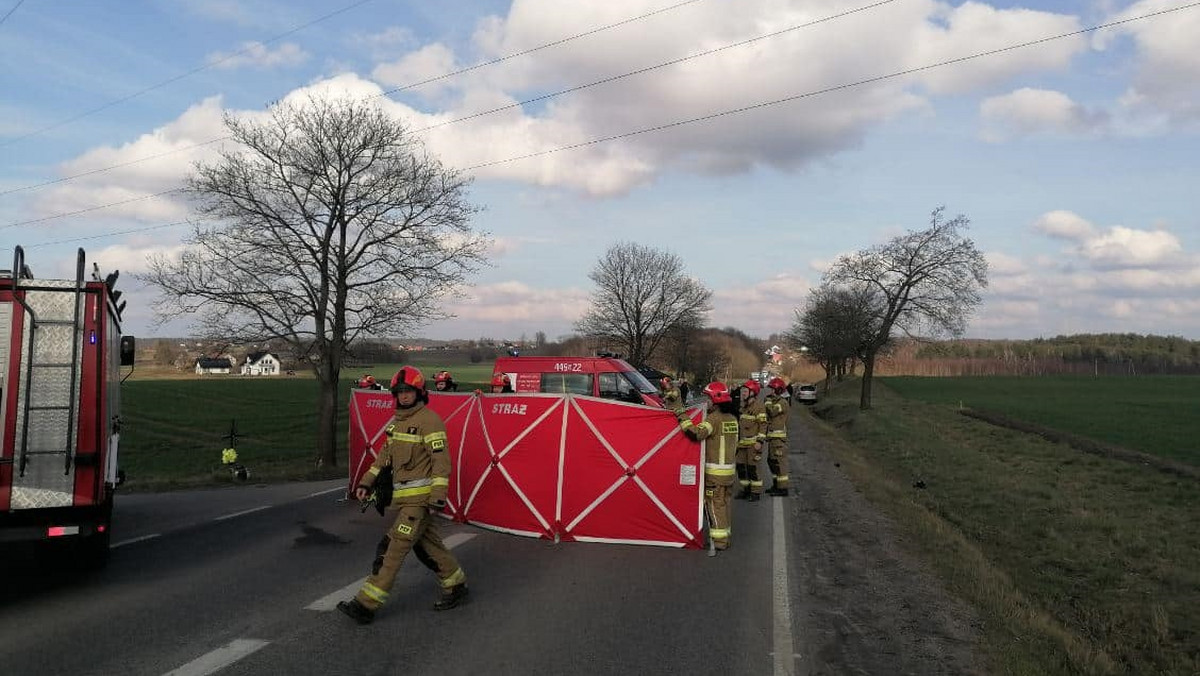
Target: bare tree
(327, 223)
(834, 325)
(927, 283)
(642, 294)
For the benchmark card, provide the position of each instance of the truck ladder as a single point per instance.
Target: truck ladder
(50, 408)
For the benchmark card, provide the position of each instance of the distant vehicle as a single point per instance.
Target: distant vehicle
(604, 377)
(806, 394)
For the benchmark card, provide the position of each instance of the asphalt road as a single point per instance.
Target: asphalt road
(244, 581)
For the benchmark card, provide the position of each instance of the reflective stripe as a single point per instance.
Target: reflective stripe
(372, 470)
(686, 423)
(721, 451)
(456, 578)
(746, 443)
(718, 533)
(440, 481)
(781, 477)
(402, 436)
(719, 469)
(436, 441)
(375, 593)
(744, 482)
(778, 434)
(434, 436)
(705, 426)
(409, 492)
(756, 483)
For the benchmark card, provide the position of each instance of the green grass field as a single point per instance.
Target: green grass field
(175, 429)
(1159, 415)
(1077, 563)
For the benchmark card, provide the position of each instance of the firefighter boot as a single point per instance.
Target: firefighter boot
(754, 497)
(357, 611)
(778, 492)
(451, 597)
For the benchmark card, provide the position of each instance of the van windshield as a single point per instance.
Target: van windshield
(639, 381)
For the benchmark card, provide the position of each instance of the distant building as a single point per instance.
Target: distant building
(261, 364)
(208, 365)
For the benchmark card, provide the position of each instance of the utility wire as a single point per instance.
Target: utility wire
(827, 90)
(409, 86)
(179, 77)
(9, 12)
(514, 105)
(98, 207)
(664, 64)
(538, 48)
(742, 109)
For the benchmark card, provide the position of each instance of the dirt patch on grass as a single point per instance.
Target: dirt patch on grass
(867, 606)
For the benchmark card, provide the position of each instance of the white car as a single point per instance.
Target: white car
(806, 394)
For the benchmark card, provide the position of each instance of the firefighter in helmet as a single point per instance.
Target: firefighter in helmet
(672, 399)
(367, 382)
(719, 432)
(442, 382)
(501, 383)
(752, 423)
(777, 408)
(416, 451)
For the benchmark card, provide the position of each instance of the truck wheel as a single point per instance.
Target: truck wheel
(93, 551)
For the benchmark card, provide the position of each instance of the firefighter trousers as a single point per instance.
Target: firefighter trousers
(778, 461)
(415, 529)
(720, 514)
(748, 460)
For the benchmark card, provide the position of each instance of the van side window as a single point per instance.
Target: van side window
(615, 386)
(567, 383)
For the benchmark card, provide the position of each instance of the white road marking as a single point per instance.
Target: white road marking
(130, 541)
(219, 658)
(331, 490)
(242, 513)
(329, 602)
(784, 661)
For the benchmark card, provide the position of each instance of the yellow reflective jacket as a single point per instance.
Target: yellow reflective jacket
(416, 450)
(672, 399)
(777, 413)
(752, 423)
(719, 432)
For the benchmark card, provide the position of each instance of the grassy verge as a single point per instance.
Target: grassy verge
(1078, 564)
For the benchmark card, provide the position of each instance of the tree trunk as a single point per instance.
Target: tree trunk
(327, 421)
(864, 401)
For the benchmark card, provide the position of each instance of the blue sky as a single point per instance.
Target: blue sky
(1075, 159)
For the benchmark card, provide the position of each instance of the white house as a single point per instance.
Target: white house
(261, 364)
(209, 365)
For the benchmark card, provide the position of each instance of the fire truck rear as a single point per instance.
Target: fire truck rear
(61, 353)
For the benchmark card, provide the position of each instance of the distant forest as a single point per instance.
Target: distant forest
(1104, 353)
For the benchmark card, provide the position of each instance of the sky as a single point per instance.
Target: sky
(757, 140)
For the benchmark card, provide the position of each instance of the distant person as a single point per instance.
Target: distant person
(367, 382)
(752, 421)
(719, 432)
(777, 408)
(501, 383)
(672, 399)
(443, 382)
(684, 388)
(416, 452)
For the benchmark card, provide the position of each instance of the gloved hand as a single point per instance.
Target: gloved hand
(681, 414)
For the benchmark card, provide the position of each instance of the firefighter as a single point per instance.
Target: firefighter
(777, 408)
(416, 452)
(367, 382)
(752, 423)
(501, 383)
(442, 382)
(672, 399)
(719, 432)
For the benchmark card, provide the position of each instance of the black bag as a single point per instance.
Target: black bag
(381, 491)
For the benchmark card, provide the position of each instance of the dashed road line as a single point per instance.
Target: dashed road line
(330, 601)
(243, 512)
(785, 663)
(326, 492)
(220, 658)
(130, 541)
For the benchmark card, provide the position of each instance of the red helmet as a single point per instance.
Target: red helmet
(718, 392)
(410, 376)
(753, 386)
(500, 380)
(441, 376)
(666, 381)
(777, 384)
(366, 382)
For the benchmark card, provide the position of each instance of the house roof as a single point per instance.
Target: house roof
(210, 363)
(255, 356)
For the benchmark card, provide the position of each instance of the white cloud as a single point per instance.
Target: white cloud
(1127, 247)
(386, 44)
(762, 308)
(258, 55)
(1167, 80)
(427, 63)
(1030, 111)
(1064, 225)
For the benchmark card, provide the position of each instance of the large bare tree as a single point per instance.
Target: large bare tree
(641, 295)
(834, 325)
(327, 222)
(925, 283)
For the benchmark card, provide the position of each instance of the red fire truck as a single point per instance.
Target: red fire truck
(61, 352)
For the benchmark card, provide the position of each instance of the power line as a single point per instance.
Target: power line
(539, 47)
(409, 86)
(828, 90)
(98, 207)
(539, 98)
(9, 12)
(107, 234)
(664, 64)
(179, 77)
